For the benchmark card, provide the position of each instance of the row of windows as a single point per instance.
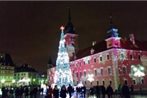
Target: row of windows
(98, 82)
(108, 58)
(95, 60)
(96, 72)
(6, 72)
(135, 81)
(100, 72)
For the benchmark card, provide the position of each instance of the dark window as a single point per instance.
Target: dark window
(109, 71)
(97, 82)
(84, 73)
(77, 74)
(124, 70)
(95, 72)
(100, 58)
(139, 57)
(134, 82)
(94, 59)
(142, 81)
(110, 82)
(103, 82)
(80, 74)
(101, 71)
(108, 57)
(131, 57)
(88, 61)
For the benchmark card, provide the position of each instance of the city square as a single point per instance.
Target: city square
(73, 49)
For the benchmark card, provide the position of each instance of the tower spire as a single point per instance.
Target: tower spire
(69, 28)
(69, 15)
(110, 17)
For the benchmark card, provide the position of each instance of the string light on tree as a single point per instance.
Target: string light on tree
(63, 75)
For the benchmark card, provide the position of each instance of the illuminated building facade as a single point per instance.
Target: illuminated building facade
(6, 70)
(110, 61)
(26, 75)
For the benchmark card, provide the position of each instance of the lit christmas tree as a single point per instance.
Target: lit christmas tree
(63, 75)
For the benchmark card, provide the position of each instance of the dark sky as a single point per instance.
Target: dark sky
(29, 31)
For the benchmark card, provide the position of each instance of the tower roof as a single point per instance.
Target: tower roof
(69, 28)
(112, 30)
(5, 59)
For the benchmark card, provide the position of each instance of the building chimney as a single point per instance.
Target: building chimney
(132, 38)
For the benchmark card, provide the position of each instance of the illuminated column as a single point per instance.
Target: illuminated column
(115, 68)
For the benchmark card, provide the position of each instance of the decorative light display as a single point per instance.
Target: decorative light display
(63, 75)
(3, 81)
(24, 81)
(90, 77)
(137, 72)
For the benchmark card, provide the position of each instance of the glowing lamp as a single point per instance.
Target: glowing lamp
(3, 81)
(13, 81)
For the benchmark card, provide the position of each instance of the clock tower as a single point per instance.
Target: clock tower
(113, 40)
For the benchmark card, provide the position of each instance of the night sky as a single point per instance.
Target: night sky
(30, 31)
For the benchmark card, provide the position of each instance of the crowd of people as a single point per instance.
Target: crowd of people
(100, 91)
(20, 92)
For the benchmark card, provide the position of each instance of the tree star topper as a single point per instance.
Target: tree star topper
(62, 28)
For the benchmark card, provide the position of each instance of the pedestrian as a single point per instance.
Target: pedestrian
(132, 89)
(125, 90)
(56, 92)
(103, 90)
(49, 92)
(70, 90)
(109, 91)
(97, 91)
(84, 90)
(63, 92)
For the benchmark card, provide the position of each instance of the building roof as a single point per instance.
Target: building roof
(101, 46)
(5, 59)
(25, 68)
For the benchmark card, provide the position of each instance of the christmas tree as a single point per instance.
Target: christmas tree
(63, 74)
